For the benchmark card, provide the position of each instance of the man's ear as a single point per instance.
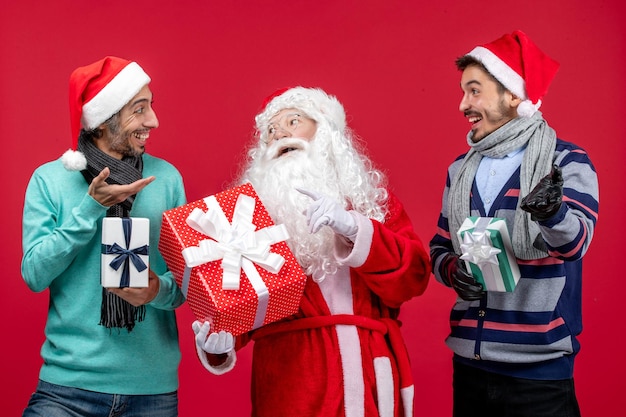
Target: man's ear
(99, 131)
(514, 100)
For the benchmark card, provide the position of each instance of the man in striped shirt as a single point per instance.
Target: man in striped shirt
(514, 351)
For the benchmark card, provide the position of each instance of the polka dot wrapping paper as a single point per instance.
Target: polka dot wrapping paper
(234, 310)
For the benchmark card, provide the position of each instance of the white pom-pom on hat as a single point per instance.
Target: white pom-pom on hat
(74, 160)
(526, 108)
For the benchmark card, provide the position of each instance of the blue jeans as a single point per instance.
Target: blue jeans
(484, 394)
(50, 400)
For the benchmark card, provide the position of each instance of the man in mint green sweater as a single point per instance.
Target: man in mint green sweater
(107, 351)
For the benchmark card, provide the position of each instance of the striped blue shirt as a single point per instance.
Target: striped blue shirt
(532, 331)
(493, 173)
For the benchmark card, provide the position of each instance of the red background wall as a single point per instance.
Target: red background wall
(390, 63)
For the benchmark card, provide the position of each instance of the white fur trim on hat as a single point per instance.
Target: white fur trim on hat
(501, 71)
(312, 101)
(124, 86)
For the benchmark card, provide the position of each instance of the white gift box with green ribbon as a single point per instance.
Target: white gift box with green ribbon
(488, 253)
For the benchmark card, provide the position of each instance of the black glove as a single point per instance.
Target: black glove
(455, 275)
(545, 199)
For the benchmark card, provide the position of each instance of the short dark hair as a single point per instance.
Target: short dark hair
(112, 122)
(468, 61)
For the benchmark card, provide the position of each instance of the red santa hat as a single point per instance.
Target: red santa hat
(520, 66)
(97, 92)
(314, 102)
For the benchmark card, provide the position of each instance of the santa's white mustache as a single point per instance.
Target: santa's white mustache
(278, 148)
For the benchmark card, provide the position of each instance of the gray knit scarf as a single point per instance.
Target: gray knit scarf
(537, 162)
(115, 312)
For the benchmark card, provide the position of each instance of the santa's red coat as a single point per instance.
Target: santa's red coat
(343, 353)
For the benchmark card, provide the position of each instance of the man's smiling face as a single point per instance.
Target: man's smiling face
(486, 106)
(130, 130)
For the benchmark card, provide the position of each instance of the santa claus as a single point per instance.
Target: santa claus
(342, 354)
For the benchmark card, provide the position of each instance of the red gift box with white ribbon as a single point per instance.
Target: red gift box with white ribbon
(231, 261)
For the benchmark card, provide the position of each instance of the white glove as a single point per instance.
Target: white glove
(325, 211)
(215, 343)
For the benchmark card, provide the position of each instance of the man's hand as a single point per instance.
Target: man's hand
(325, 211)
(455, 275)
(139, 296)
(545, 199)
(111, 194)
(216, 343)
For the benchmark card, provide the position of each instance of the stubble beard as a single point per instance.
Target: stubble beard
(119, 141)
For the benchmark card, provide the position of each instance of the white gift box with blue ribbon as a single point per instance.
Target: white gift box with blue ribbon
(488, 253)
(125, 252)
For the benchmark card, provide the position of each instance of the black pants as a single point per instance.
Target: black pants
(484, 394)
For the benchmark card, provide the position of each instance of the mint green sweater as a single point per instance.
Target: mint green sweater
(61, 243)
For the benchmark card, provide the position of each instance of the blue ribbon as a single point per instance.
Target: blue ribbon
(124, 255)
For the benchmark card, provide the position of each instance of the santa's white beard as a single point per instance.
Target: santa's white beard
(276, 178)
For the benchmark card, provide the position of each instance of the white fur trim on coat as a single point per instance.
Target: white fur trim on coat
(360, 250)
(384, 386)
(407, 394)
